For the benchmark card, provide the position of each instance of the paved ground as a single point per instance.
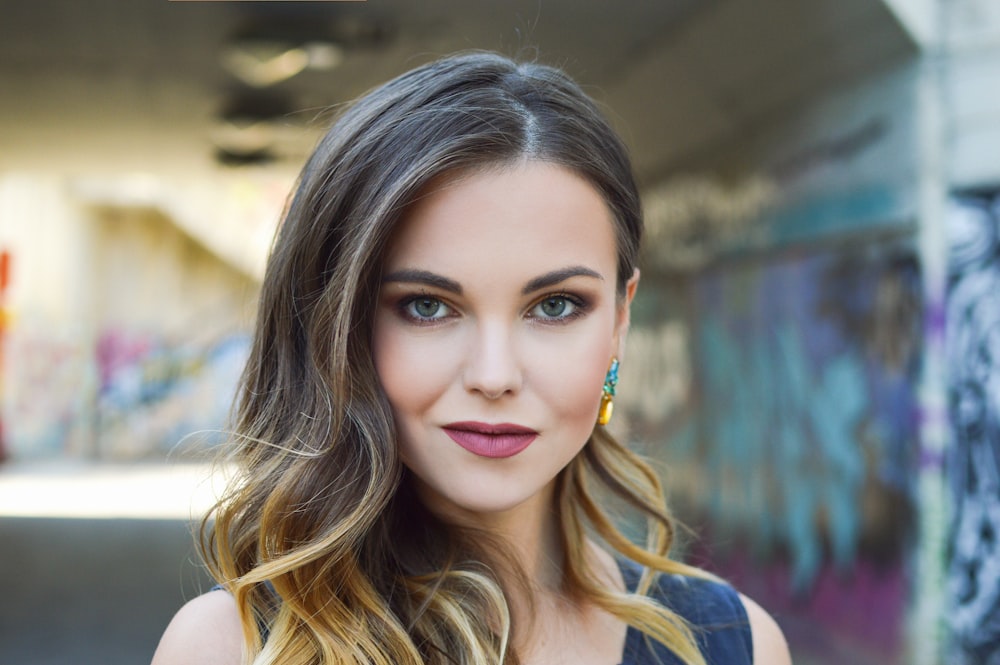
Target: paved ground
(95, 559)
(91, 591)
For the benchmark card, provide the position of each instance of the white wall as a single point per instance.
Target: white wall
(971, 71)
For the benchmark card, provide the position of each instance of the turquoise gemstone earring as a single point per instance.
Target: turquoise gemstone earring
(608, 394)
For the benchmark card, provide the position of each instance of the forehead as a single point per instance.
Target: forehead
(529, 216)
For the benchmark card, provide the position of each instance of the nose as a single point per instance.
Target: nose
(492, 367)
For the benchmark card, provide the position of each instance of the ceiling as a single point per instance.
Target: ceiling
(142, 79)
(121, 86)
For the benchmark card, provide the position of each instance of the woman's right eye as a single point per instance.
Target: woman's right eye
(426, 308)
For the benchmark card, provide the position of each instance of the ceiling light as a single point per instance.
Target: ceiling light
(262, 63)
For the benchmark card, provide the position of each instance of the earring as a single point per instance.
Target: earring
(608, 394)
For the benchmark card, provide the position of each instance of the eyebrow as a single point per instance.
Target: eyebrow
(439, 281)
(424, 277)
(557, 276)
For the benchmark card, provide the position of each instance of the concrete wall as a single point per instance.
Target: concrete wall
(124, 333)
(970, 68)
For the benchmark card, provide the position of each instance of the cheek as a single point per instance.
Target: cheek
(412, 371)
(573, 376)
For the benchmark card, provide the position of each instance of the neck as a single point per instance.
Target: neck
(531, 573)
(531, 531)
(528, 531)
(533, 577)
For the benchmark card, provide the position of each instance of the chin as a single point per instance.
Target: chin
(463, 505)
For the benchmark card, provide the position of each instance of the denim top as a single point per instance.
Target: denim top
(713, 610)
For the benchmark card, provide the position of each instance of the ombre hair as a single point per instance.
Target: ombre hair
(320, 537)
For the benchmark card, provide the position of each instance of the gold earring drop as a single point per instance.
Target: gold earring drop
(608, 394)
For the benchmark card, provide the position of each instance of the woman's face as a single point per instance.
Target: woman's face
(496, 323)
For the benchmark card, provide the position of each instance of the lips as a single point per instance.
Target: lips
(494, 441)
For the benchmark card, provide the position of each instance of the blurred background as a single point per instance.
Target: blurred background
(815, 355)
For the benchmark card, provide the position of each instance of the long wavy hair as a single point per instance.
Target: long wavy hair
(320, 537)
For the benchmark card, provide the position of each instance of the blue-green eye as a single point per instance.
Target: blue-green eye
(426, 308)
(555, 307)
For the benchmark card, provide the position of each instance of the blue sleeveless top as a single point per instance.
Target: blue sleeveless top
(713, 610)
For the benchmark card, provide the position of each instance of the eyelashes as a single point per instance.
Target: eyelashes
(425, 309)
(551, 309)
(558, 307)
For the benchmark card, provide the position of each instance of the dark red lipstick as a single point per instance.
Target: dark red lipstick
(486, 440)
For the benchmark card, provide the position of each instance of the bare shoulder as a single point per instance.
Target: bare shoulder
(206, 631)
(769, 646)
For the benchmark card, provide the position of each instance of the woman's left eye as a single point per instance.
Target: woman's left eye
(426, 308)
(555, 307)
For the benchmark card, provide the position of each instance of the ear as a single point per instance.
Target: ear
(622, 318)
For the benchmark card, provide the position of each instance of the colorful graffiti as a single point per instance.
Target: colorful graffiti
(153, 396)
(130, 395)
(973, 355)
(49, 393)
(795, 451)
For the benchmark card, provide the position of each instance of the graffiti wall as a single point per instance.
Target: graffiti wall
(127, 395)
(145, 362)
(48, 392)
(780, 333)
(788, 429)
(155, 398)
(973, 352)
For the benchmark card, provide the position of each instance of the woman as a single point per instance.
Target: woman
(421, 422)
